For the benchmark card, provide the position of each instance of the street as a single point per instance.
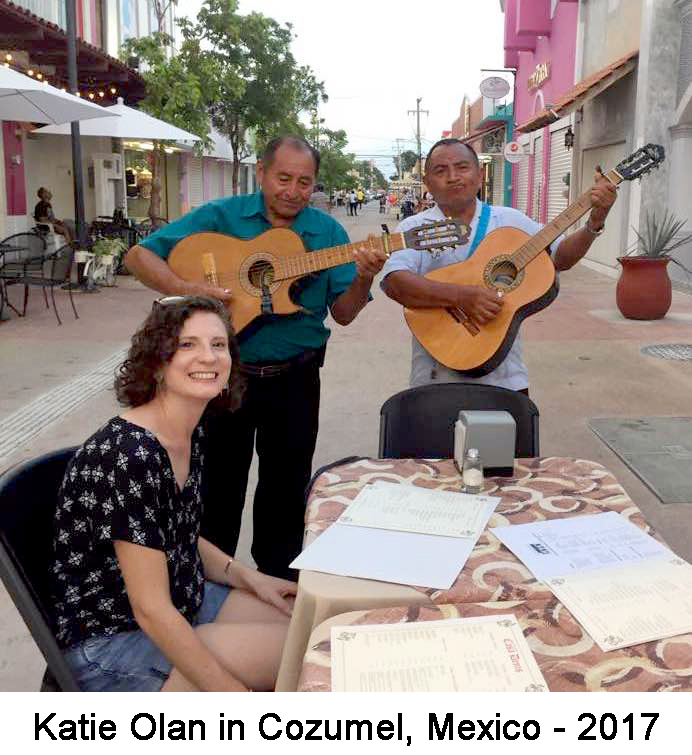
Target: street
(584, 361)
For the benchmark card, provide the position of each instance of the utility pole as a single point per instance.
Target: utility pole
(418, 111)
(398, 158)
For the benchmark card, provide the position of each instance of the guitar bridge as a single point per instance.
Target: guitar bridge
(463, 319)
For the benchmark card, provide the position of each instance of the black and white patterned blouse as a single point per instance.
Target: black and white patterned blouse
(120, 486)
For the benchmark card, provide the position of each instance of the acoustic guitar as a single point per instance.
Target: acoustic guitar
(259, 272)
(509, 261)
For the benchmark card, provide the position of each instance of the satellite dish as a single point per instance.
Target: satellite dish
(494, 87)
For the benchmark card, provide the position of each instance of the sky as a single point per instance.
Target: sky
(377, 57)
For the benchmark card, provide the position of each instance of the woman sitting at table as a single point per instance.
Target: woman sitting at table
(142, 602)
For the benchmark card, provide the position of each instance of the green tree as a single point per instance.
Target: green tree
(335, 164)
(254, 88)
(173, 93)
(408, 159)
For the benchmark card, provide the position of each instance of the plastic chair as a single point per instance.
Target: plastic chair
(418, 423)
(28, 495)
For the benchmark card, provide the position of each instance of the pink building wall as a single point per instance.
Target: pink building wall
(15, 187)
(558, 48)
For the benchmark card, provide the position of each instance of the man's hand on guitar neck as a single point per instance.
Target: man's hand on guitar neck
(481, 304)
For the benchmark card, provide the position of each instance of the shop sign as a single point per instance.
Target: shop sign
(513, 152)
(540, 73)
(494, 88)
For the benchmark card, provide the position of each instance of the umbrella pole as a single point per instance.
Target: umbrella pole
(76, 143)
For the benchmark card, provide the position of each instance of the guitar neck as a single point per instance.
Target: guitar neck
(322, 259)
(542, 240)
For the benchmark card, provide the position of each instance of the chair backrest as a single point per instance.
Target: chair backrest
(419, 422)
(32, 245)
(58, 267)
(28, 496)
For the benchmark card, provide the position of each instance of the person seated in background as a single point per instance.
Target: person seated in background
(141, 601)
(43, 213)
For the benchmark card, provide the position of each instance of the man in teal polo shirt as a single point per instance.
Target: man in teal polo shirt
(281, 355)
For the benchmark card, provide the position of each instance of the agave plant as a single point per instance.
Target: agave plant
(658, 238)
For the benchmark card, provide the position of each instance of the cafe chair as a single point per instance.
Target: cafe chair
(418, 423)
(19, 254)
(28, 496)
(55, 270)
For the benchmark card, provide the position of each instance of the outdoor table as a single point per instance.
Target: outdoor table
(542, 488)
(568, 658)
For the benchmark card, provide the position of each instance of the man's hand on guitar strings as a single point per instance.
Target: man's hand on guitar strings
(481, 304)
(215, 292)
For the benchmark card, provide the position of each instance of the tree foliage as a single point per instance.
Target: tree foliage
(173, 94)
(336, 166)
(253, 87)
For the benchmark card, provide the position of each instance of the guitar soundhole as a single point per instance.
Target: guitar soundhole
(261, 273)
(502, 274)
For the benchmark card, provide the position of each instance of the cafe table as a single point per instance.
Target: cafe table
(568, 658)
(539, 489)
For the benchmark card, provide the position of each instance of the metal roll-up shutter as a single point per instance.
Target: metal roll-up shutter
(498, 180)
(521, 182)
(537, 178)
(195, 191)
(560, 165)
(213, 181)
(228, 179)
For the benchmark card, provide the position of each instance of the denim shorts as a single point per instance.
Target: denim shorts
(129, 661)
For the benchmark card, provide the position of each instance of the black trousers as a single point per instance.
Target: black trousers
(280, 417)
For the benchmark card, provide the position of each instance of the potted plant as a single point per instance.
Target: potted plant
(644, 291)
(106, 251)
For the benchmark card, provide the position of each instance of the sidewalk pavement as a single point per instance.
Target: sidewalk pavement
(584, 361)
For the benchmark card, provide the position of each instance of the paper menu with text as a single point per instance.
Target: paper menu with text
(628, 605)
(555, 547)
(480, 654)
(409, 508)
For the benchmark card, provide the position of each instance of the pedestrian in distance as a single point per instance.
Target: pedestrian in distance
(143, 602)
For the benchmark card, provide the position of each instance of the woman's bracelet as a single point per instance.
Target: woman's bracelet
(228, 563)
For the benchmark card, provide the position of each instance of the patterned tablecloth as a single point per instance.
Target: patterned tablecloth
(543, 488)
(568, 658)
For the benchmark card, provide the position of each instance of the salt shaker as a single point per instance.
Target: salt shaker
(472, 472)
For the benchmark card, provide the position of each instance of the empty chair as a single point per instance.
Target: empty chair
(55, 271)
(418, 423)
(28, 495)
(20, 254)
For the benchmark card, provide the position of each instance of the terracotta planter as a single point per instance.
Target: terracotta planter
(644, 291)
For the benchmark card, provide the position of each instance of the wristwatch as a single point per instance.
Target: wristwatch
(593, 231)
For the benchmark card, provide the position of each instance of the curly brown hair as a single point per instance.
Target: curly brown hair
(155, 343)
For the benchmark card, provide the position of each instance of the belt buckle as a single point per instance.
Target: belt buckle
(269, 370)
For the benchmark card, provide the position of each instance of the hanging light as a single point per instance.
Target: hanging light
(8, 56)
(569, 138)
(30, 72)
(39, 76)
(91, 95)
(101, 93)
(77, 94)
(114, 90)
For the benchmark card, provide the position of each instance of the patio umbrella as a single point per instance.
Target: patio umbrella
(25, 99)
(126, 123)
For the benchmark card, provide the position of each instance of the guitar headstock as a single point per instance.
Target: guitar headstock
(641, 161)
(434, 237)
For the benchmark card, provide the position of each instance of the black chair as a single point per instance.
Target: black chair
(28, 495)
(20, 254)
(418, 423)
(55, 270)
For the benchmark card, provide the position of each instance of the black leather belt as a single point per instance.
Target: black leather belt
(271, 370)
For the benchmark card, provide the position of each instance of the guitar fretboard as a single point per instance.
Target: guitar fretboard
(312, 262)
(536, 244)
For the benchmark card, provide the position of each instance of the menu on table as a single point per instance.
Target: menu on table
(620, 584)
(481, 654)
